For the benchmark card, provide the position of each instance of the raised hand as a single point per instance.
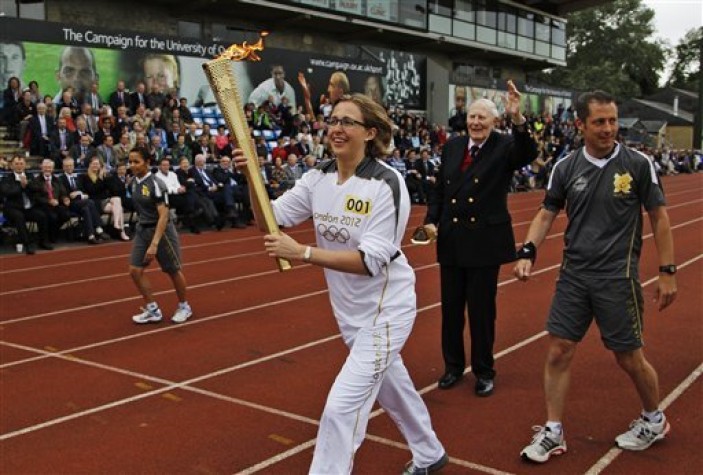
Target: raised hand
(511, 100)
(304, 85)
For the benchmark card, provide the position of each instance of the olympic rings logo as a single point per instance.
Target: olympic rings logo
(332, 233)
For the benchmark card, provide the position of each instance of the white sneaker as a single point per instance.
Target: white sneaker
(182, 314)
(545, 443)
(148, 316)
(642, 434)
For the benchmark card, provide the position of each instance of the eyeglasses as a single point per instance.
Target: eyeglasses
(345, 122)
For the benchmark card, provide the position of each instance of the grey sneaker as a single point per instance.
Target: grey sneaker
(642, 434)
(545, 443)
(411, 469)
(182, 314)
(148, 316)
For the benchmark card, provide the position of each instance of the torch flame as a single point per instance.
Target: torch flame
(245, 52)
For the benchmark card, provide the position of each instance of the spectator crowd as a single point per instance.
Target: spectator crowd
(83, 141)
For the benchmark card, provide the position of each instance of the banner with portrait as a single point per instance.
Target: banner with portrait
(546, 102)
(58, 55)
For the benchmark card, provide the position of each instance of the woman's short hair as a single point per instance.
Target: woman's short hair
(374, 116)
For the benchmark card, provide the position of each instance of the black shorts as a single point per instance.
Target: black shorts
(615, 304)
(168, 253)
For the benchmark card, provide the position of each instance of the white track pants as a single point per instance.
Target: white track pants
(373, 369)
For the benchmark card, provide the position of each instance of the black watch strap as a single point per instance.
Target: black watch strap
(528, 251)
(668, 269)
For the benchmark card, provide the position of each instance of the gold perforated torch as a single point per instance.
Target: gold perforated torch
(226, 89)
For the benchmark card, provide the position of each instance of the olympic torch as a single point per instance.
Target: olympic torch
(226, 89)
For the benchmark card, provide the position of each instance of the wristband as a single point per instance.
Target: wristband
(668, 269)
(528, 251)
(307, 254)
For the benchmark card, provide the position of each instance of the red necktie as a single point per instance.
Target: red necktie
(49, 189)
(469, 157)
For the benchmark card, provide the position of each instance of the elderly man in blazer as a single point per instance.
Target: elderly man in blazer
(468, 211)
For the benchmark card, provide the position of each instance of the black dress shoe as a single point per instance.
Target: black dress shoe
(448, 380)
(484, 387)
(29, 249)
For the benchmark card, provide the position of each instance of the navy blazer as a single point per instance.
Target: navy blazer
(470, 208)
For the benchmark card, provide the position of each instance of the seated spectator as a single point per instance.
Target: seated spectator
(186, 115)
(293, 170)
(107, 127)
(25, 110)
(157, 148)
(40, 128)
(413, 178)
(119, 181)
(138, 98)
(106, 153)
(279, 178)
(121, 150)
(396, 161)
(317, 149)
(11, 97)
(80, 205)
(61, 140)
(22, 197)
(261, 118)
(53, 199)
(203, 148)
(280, 149)
(69, 100)
(81, 130)
(181, 150)
(309, 163)
(427, 172)
(221, 140)
(94, 183)
(234, 192)
(180, 197)
(65, 113)
(266, 169)
(206, 192)
(191, 136)
(82, 152)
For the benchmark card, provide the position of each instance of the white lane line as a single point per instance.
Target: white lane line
(433, 386)
(613, 453)
(233, 279)
(454, 460)
(126, 255)
(236, 240)
(185, 385)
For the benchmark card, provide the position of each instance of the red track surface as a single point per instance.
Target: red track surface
(240, 387)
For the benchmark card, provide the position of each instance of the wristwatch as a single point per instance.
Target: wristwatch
(668, 269)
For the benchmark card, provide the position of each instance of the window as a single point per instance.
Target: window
(441, 7)
(32, 11)
(464, 10)
(16, 9)
(526, 25)
(412, 13)
(8, 8)
(507, 21)
(189, 29)
(486, 14)
(558, 33)
(542, 29)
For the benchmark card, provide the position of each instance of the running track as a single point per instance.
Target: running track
(240, 387)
